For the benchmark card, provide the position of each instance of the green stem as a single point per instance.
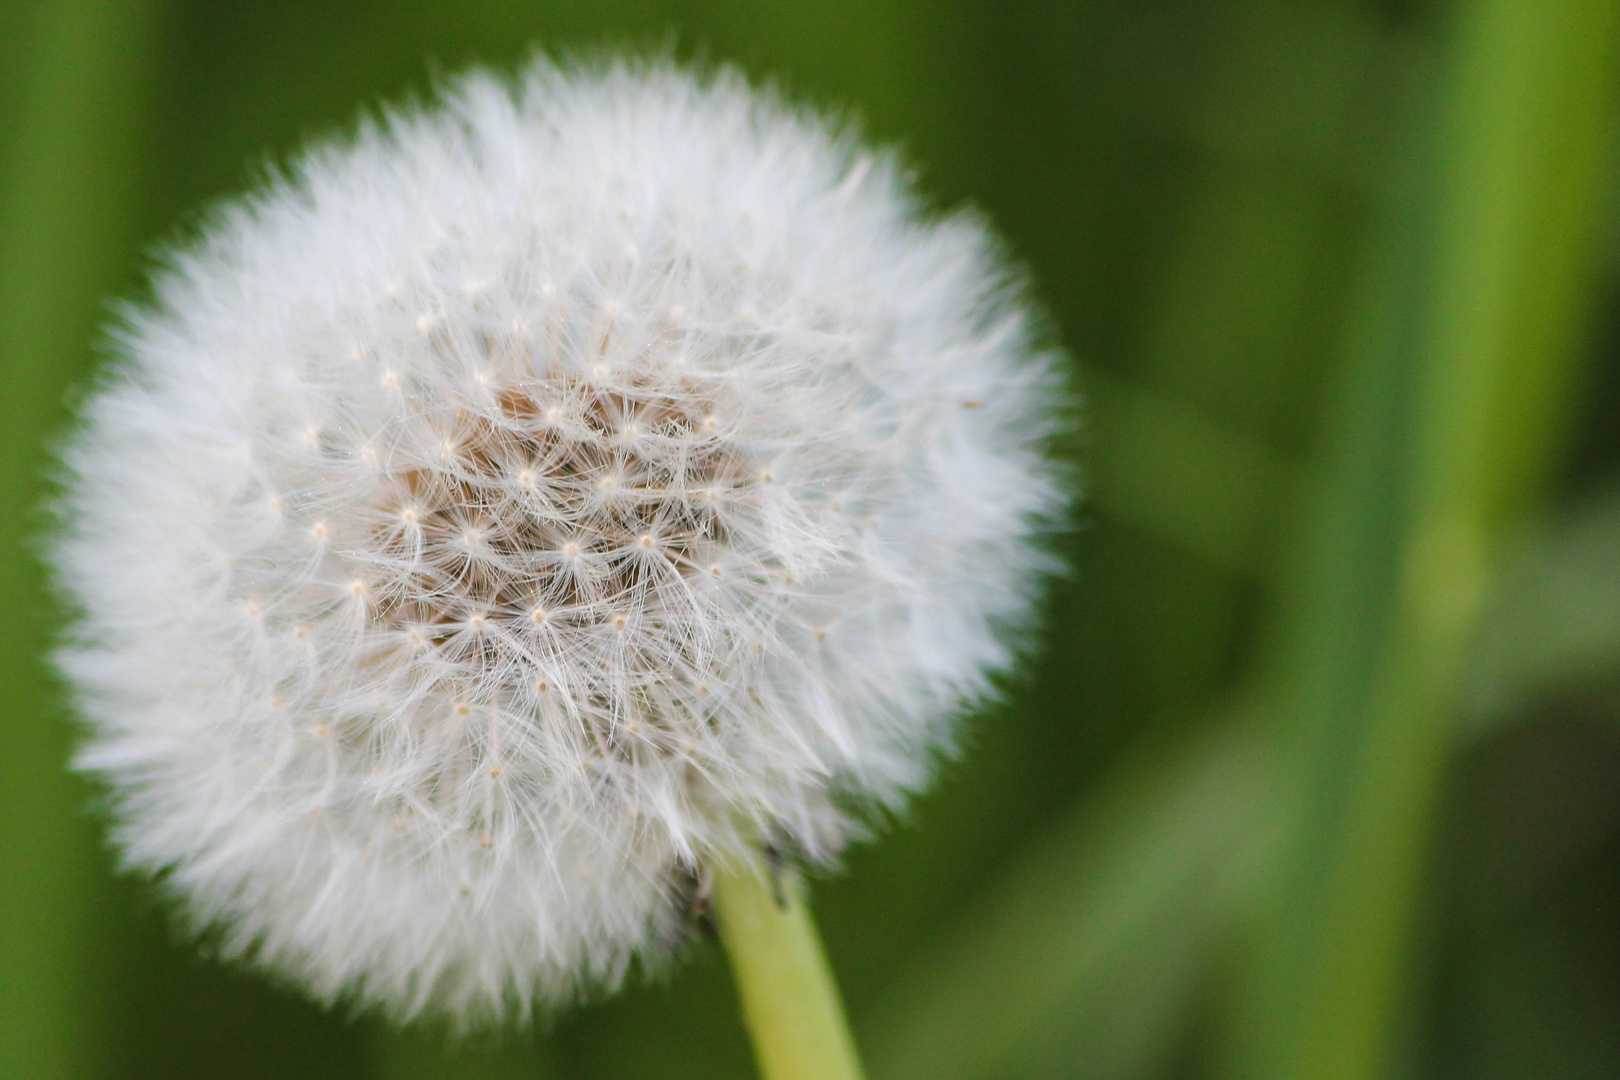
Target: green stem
(789, 1000)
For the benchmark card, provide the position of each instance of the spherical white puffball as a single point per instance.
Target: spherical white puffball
(529, 502)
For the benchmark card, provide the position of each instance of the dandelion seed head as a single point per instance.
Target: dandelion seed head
(675, 482)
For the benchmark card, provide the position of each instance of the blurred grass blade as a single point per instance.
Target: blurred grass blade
(1087, 948)
(1471, 395)
(67, 189)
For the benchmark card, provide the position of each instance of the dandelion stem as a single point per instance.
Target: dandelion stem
(789, 1000)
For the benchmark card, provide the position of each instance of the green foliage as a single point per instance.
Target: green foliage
(1316, 772)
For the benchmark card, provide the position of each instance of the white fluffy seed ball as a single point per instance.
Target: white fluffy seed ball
(529, 502)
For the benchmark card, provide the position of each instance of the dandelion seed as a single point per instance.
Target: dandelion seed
(518, 495)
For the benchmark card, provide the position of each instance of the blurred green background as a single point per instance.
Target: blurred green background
(1317, 770)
